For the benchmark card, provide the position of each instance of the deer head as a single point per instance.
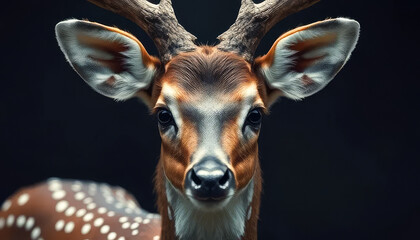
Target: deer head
(209, 100)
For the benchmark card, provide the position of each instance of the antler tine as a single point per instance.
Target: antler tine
(158, 21)
(254, 21)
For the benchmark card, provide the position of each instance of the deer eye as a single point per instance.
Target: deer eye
(254, 118)
(165, 117)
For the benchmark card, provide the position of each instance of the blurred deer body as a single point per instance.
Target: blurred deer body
(209, 102)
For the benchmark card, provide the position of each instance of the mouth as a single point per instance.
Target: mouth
(209, 202)
(208, 199)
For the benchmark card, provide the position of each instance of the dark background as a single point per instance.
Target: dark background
(342, 164)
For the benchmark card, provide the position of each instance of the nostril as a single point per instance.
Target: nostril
(196, 181)
(224, 181)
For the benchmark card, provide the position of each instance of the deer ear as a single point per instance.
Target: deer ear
(113, 62)
(303, 61)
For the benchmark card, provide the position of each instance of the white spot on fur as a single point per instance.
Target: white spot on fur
(131, 204)
(112, 235)
(85, 229)
(36, 232)
(59, 225)
(23, 199)
(61, 206)
(88, 217)
(29, 223)
(69, 227)
(134, 225)
(77, 186)
(119, 205)
(123, 219)
(111, 214)
(57, 195)
(80, 212)
(70, 211)
(109, 199)
(6, 205)
(125, 225)
(2, 223)
(101, 210)
(54, 185)
(20, 221)
(91, 206)
(98, 222)
(128, 210)
(104, 229)
(10, 220)
(79, 195)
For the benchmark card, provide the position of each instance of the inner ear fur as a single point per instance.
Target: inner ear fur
(113, 62)
(304, 60)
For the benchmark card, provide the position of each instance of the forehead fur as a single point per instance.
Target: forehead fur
(208, 70)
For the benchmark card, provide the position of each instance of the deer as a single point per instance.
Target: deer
(209, 102)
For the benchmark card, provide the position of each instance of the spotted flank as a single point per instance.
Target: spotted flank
(66, 209)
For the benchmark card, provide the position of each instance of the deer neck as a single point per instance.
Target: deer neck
(181, 220)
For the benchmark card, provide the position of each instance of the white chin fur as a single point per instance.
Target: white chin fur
(195, 220)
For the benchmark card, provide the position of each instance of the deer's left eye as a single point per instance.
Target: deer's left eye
(165, 117)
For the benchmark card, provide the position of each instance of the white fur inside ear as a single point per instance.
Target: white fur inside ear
(110, 62)
(307, 60)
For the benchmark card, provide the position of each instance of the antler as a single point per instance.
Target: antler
(158, 21)
(254, 21)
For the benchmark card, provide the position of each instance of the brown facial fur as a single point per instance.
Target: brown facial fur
(192, 77)
(207, 73)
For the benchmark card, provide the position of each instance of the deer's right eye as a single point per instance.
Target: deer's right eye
(165, 117)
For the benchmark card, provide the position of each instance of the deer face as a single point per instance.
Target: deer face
(209, 110)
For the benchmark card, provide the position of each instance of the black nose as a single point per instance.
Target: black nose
(209, 180)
